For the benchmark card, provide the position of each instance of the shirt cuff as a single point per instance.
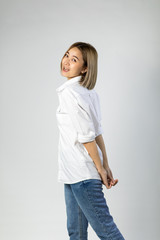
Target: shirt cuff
(83, 139)
(100, 131)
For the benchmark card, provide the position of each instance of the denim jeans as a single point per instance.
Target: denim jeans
(85, 203)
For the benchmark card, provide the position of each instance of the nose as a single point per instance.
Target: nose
(67, 61)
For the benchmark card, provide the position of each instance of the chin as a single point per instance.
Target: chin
(63, 74)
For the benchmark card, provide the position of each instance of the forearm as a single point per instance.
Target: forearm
(94, 154)
(104, 170)
(100, 142)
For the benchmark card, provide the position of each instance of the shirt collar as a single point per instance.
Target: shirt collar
(68, 83)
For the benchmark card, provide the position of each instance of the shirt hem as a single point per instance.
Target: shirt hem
(78, 180)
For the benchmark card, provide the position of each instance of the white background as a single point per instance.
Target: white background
(33, 38)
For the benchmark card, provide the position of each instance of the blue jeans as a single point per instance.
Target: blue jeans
(85, 203)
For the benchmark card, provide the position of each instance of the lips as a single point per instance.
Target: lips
(65, 69)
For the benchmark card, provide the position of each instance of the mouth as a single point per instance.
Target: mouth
(65, 69)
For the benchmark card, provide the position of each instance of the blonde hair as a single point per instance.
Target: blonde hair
(90, 58)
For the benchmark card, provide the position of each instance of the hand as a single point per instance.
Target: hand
(107, 177)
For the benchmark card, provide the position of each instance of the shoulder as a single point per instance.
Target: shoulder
(79, 91)
(79, 95)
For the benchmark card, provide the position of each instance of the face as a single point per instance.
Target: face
(72, 63)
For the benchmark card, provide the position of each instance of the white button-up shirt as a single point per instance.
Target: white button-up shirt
(79, 121)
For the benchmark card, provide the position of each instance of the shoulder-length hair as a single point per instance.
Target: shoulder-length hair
(90, 58)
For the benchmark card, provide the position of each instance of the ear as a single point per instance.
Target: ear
(83, 71)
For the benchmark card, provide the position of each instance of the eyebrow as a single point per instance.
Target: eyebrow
(73, 56)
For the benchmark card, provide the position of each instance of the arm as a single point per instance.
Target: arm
(100, 142)
(93, 152)
(104, 171)
(81, 117)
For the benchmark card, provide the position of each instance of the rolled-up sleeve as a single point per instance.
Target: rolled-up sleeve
(80, 116)
(98, 128)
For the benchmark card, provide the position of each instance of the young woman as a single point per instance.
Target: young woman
(82, 158)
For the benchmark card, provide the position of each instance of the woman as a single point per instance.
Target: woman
(82, 158)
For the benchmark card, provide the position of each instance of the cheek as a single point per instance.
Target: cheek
(76, 67)
(62, 61)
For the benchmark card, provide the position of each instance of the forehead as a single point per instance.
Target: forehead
(76, 52)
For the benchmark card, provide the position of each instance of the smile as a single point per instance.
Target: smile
(65, 69)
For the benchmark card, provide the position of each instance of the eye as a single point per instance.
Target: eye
(74, 60)
(66, 55)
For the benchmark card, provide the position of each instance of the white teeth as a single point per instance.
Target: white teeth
(66, 69)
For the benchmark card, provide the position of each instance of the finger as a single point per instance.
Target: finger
(115, 182)
(109, 184)
(106, 183)
(111, 181)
